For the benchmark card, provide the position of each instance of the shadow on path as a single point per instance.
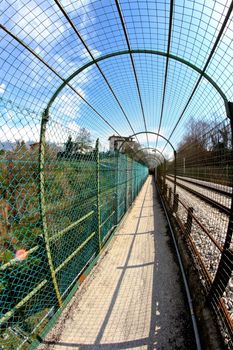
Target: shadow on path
(169, 324)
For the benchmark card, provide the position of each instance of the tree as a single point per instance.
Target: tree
(221, 137)
(195, 135)
(69, 146)
(83, 141)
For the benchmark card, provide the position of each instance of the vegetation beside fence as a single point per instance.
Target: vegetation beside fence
(52, 233)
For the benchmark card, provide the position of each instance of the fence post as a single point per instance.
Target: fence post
(126, 194)
(164, 176)
(169, 196)
(165, 190)
(188, 224)
(175, 170)
(45, 118)
(98, 219)
(175, 202)
(117, 186)
(132, 181)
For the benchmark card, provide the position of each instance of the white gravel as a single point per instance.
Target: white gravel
(218, 197)
(207, 183)
(216, 223)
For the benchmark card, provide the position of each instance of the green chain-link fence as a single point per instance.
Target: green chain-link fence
(58, 208)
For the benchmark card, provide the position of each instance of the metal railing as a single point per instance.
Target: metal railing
(203, 228)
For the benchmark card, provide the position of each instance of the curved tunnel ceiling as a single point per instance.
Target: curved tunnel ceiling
(126, 67)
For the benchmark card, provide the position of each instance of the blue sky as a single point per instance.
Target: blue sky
(29, 84)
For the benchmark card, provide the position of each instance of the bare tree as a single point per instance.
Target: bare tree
(83, 141)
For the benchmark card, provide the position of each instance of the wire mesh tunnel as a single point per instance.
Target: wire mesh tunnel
(94, 95)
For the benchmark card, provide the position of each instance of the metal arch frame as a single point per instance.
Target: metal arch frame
(132, 63)
(166, 67)
(154, 149)
(150, 158)
(152, 163)
(140, 51)
(149, 132)
(168, 141)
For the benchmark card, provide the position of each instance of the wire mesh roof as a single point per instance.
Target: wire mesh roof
(114, 67)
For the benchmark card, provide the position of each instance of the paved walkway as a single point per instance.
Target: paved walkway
(133, 298)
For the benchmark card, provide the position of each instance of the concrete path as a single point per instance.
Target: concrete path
(133, 299)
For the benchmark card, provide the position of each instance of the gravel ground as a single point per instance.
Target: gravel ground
(210, 184)
(216, 223)
(134, 297)
(219, 198)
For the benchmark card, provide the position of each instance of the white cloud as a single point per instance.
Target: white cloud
(69, 97)
(85, 54)
(44, 29)
(26, 133)
(74, 3)
(68, 105)
(57, 134)
(34, 21)
(73, 126)
(10, 114)
(59, 59)
(2, 88)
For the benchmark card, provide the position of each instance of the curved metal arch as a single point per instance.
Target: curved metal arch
(149, 158)
(153, 148)
(154, 159)
(149, 132)
(145, 156)
(151, 52)
(155, 162)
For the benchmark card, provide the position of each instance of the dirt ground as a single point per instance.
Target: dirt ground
(133, 298)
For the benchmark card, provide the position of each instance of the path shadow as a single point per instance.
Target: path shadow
(170, 325)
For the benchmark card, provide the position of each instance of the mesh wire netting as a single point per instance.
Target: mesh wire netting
(203, 212)
(55, 218)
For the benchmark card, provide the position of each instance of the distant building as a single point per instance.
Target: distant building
(82, 149)
(118, 142)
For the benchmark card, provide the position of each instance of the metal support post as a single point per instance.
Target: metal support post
(44, 121)
(175, 203)
(98, 219)
(189, 222)
(169, 196)
(175, 171)
(117, 187)
(165, 191)
(126, 194)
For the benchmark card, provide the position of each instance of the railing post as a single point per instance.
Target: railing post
(175, 203)
(189, 222)
(45, 118)
(175, 170)
(164, 176)
(98, 219)
(169, 196)
(165, 190)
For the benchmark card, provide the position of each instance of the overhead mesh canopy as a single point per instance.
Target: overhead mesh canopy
(124, 67)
